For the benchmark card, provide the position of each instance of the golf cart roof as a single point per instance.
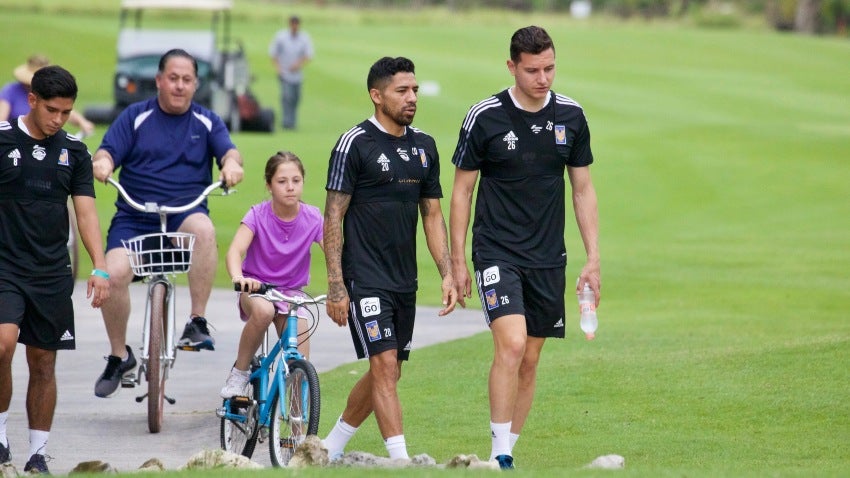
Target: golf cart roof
(178, 4)
(135, 43)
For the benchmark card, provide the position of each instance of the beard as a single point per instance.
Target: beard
(402, 117)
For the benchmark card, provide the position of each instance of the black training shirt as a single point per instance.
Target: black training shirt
(386, 177)
(36, 178)
(521, 156)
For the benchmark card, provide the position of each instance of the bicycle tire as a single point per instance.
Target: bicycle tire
(242, 438)
(301, 388)
(155, 370)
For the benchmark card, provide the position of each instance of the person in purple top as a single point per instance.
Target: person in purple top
(274, 239)
(165, 147)
(14, 100)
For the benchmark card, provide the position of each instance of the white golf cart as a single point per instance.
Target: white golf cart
(222, 70)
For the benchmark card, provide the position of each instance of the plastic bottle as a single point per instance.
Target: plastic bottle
(587, 308)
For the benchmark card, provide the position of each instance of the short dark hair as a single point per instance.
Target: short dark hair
(386, 68)
(54, 82)
(532, 39)
(177, 53)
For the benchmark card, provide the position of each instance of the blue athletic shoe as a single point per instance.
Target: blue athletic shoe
(506, 462)
(37, 465)
(5, 454)
(197, 335)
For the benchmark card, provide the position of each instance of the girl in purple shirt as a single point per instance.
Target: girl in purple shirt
(271, 245)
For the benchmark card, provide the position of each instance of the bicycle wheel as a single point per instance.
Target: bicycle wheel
(155, 370)
(241, 437)
(300, 415)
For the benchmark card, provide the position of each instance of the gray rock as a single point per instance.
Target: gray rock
(94, 466)
(218, 458)
(608, 462)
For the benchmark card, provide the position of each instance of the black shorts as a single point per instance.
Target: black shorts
(537, 294)
(42, 309)
(381, 320)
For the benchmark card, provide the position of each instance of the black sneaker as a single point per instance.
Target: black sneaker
(5, 454)
(108, 383)
(37, 465)
(506, 462)
(197, 335)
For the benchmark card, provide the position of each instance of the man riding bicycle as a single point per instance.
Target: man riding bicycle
(165, 146)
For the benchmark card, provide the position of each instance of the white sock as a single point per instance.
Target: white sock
(4, 417)
(396, 447)
(500, 433)
(338, 437)
(514, 438)
(38, 442)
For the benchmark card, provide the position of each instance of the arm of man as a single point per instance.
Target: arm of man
(89, 227)
(460, 210)
(102, 165)
(337, 303)
(437, 239)
(231, 168)
(587, 218)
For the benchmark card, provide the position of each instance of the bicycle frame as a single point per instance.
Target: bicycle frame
(275, 361)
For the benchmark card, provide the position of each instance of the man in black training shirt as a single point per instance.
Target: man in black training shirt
(520, 141)
(380, 172)
(40, 167)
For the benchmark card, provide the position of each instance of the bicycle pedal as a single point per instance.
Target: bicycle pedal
(128, 381)
(241, 401)
(189, 348)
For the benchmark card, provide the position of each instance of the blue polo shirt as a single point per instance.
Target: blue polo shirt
(165, 158)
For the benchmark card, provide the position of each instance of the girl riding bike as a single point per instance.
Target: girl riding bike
(274, 239)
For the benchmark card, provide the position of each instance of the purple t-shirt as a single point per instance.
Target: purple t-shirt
(16, 94)
(280, 250)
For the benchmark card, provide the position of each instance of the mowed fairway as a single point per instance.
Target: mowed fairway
(722, 172)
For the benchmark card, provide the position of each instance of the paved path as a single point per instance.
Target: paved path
(115, 430)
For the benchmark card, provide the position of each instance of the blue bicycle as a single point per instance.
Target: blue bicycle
(282, 401)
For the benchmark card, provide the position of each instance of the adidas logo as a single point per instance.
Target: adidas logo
(559, 323)
(384, 162)
(66, 336)
(510, 136)
(407, 347)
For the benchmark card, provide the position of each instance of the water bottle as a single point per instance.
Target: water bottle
(587, 308)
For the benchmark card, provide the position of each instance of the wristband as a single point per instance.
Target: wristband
(100, 273)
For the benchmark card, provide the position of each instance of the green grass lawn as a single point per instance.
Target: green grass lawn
(722, 174)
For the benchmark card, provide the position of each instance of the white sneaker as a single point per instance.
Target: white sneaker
(236, 383)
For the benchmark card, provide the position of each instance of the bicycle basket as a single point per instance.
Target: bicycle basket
(160, 253)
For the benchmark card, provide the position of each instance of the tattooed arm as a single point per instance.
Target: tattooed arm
(337, 303)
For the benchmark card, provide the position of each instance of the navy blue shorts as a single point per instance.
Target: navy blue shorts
(381, 320)
(127, 225)
(42, 309)
(537, 294)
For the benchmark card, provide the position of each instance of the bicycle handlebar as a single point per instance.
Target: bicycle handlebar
(270, 292)
(153, 207)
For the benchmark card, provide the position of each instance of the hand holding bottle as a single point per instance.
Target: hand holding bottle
(587, 308)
